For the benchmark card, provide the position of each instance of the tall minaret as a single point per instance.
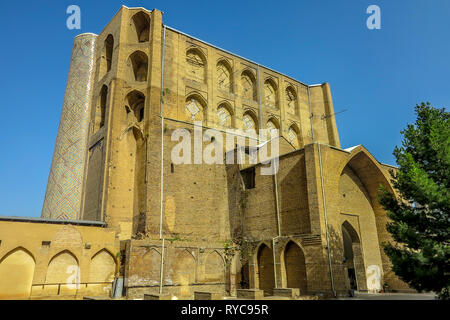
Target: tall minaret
(63, 196)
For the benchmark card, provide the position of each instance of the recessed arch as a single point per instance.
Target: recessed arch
(61, 267)
(248, 83)
(270, 93)
(295, 266)
(102, 268)
(16, 274)
(250, 121)
(184, 271)
(135, 106)
(107, 54)
(353, 257)
(195, 107)
(224, 76)
(138, 66)
(100, 109)
(214, 267)
(273, 126)
(225, 116)
(266, 275)
(294, 137)
(291, 100)
(196, 64)
(140, 27)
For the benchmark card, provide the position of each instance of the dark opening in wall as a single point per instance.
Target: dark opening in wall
(248, 175)
(141, 22)
(172, 168)
(138, 63)
(141, 114)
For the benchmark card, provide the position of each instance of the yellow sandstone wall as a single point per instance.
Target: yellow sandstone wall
(42, 260)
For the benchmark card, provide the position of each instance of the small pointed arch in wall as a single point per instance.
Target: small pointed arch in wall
(294, 137)
(100, 109)
(295, 266)
(135, 106)
(16, 274)
(196, 64)
(270, 93)
(107, 54)
(273, 126)
(195, 107)
(140, 27)
(137, 66)
(62, 266)
(184, 268)
(291, 100)
(102, 268)
(250, 122)
(224, 76)
(214, 267)
(225, 115)
(266, 275)
(248, 83)
(353, 257)
(351, 232)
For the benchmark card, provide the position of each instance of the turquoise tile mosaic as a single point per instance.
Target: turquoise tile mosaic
(63, 195)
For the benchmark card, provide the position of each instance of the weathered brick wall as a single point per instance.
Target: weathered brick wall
(44, 260)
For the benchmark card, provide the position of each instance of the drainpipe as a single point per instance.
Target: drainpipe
(310, 114)
(259, 101)
(162, 164)
(278, 226)
(326, 220)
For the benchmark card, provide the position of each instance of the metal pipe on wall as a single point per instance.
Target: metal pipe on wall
(162, 162)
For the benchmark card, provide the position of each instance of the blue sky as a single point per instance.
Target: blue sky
(377, 75)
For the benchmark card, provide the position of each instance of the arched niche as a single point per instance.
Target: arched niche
(16, 274)
(248, 84)
(196, 65)
(225, 115)
(139, 28)
(106, 57)
(224, 76)
(270, 93)
(137, 67)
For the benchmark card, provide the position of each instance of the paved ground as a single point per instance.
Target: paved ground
(392, 296)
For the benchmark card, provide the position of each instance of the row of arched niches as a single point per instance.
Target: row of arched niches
(227, 80)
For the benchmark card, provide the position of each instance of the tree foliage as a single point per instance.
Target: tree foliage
(420, 221)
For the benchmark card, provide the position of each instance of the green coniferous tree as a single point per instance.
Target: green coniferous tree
(420, 221)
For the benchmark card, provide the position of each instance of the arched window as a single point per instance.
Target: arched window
(135, 103)
(291, 100)
(248, 83)
(138, 62)
(196, 65)
(224, 116)
(141, 27)
(273, 127)
(224, 80)
(194, 107)
(293, 136)
(107, 53)
(270, 93)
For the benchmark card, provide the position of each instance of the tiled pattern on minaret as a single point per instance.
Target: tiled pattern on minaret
(63, 195)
